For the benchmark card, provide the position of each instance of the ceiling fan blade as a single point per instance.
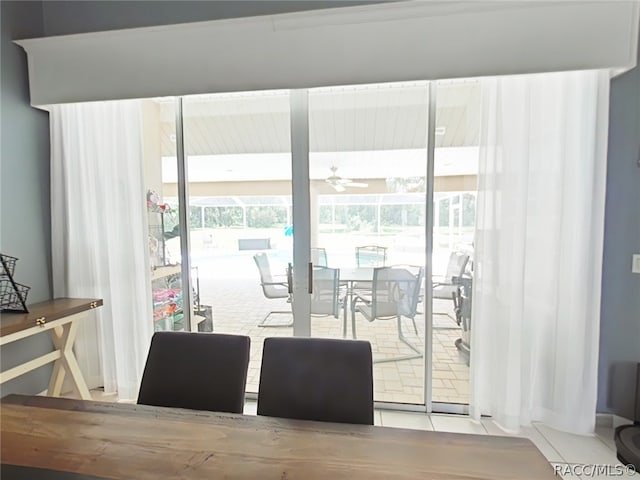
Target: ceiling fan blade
(356, 184)
(338, 187)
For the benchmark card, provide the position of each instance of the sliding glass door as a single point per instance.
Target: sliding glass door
(299, 201)
(457, 134)
(238, 158)
(171, 304)
(367, 190)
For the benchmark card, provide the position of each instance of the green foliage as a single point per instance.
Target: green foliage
(324, 216)
(351, 218)
(468, 210)
(195, 216)
(171, 218)
(266, 217)
(402, 215)
(364, 217)
(357, 218)
(443, 211)
(218, 217)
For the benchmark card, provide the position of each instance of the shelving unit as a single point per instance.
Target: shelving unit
(157, 253)
(167, 297)
(168, 304)
(166, 282)
(166, 271)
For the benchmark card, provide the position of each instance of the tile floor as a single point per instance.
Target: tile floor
(565, 452)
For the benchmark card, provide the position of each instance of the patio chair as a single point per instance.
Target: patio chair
(462, 301)
(327, 297)
(394, 294)
(272, 288)
(371, 256)
(445, 288)
(199, 371)
(319, 379)
(319, 256)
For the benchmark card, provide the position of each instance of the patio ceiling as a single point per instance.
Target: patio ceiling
(341, 119)
(360, 165)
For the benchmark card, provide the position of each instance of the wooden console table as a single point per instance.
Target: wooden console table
(60, 317)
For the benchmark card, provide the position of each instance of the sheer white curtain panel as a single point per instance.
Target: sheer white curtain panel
(99, 232)
(538, 248)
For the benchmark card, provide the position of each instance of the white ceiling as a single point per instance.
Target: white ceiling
(354, 165)
(342, 119)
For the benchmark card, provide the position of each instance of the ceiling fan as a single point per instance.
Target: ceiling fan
(339, 184)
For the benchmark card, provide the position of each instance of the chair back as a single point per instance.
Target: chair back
(270, 288)
(371, 256)
(318, 379)
(456, 266)
(325, 291)
(396, 291)
(199, 371)
(319, 257)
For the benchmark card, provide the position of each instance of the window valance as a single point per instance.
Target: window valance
(351, 45)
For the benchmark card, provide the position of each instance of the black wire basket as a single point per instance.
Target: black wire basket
(7, 264)
(13, 296)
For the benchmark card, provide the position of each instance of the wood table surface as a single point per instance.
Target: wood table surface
(124, 441)
(13, 324)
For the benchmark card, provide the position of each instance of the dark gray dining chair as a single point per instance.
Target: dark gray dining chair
(199, 371)
(318, 379)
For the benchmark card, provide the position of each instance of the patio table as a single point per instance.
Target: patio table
(351, 276)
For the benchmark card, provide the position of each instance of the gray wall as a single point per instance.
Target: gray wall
(26, 160)
(24, 194)
(66, 17)
(620, 312)
(25, 230)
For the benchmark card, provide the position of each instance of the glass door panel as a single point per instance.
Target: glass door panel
(456, 167)
(165, 255)
(238, 153)
(367, 175)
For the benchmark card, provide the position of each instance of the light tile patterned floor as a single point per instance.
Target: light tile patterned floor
(567, 453)
(239, 305)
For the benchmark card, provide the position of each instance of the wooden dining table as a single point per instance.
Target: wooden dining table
(54, 438)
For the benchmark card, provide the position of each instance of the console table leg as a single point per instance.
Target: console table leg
(63, 338)
(58, 373)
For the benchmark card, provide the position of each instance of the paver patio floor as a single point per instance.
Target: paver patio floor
(239, 305)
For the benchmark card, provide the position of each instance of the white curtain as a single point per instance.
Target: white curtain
(538, 247)
(99, 231)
